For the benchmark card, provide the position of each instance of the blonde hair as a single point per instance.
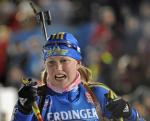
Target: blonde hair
(43, 76)
(85, 73)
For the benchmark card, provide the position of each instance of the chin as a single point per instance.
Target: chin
(65, 84)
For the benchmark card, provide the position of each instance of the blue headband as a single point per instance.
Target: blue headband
(62, 44)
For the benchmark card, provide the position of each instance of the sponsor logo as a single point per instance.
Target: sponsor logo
(89, 97)
(47, 104)
(126, 109)
(82, 114)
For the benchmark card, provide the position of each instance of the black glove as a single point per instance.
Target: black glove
(119, 108)
(27, 95)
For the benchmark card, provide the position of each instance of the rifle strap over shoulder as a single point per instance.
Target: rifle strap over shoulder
(98, 108)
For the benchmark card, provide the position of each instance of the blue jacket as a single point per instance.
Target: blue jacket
(75, 105)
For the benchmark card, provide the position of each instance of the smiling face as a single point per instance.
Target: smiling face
(62, 70)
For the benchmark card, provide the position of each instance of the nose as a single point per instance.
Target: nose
(59, 66)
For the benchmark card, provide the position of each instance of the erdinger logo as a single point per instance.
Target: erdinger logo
(82, 114)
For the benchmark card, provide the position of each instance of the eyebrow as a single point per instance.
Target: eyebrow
(59, 59)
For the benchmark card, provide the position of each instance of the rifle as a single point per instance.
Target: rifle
(43, 18)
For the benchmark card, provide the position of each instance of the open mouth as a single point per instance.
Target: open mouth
(60, 77)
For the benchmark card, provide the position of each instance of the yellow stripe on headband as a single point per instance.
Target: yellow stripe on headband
(60, 35)
(53, 36)
(57, 36)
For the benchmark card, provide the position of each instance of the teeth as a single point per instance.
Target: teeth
(60, 75)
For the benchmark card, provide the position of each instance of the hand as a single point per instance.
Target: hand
(119, 108)
(27, 95)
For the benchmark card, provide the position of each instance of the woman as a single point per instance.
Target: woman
(66, 94)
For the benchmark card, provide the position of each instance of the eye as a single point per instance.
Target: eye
(63, 60)
(51, 62)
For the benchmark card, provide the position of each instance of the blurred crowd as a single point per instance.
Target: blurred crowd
(114, 37)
